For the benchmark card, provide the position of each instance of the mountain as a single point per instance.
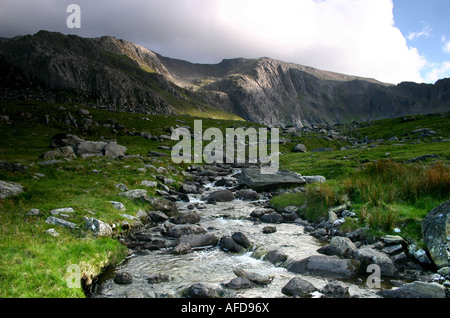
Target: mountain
(119, 75)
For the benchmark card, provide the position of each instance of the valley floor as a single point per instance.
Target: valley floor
(393, 172)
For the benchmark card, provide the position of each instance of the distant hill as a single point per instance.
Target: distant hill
(119, 75)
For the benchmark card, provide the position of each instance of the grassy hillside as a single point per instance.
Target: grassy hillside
(381, 176)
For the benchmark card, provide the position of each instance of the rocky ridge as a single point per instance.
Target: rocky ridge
(117, 74)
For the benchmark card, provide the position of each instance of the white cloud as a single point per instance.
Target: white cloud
(445, 44)
(425, 32)
(356, 37)
(438, 71)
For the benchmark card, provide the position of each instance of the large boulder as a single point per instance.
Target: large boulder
(198, 240)
(64, 140)
(221, 196)
(325, 266)
(368, 256)
(9, 189)
(298, 287)
(254, 276)
(339, 246)
(63, 152)
(114, 150)
(416, 290)
(87, 148)
(436, 234)
(254, 179)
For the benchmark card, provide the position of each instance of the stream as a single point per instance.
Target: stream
(214, 266)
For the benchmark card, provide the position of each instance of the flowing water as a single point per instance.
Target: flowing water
(213, 265)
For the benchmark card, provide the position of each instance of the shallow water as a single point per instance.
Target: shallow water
(214, 266)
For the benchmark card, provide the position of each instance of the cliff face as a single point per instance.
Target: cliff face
(274, 92)
(113, 73)
(128, 77)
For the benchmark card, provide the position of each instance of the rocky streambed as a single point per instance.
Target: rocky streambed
(221, 239)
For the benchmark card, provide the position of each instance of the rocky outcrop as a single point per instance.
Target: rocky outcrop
(70, 146)
(436, 234)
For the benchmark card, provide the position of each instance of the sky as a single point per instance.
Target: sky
(389, 40)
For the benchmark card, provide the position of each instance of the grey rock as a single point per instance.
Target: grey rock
(157, 216)
(300, 148)
(118, 205)
(269, 229)
(182, 248)
(123, 278)
(416, 290)
(368, 256)
(226, 243)
(33, 212)
(393, 239)
(162, 204)
(114, 150)
(202, 290)
(392, 249)
(314, 179)
(436, 234)
(241, 239)
(189, 188)
(221, 196)
(159, 278)
(137, 194)
(60, 211)
(156, 154)
(99, 228)
(247, 195)
(273, 217)
(276, 257)
(185, 229)
(60, 222)
(254, 179)
(9, 189)
(64, 140)
(335, 289)
(325, 266)
(121, 187)
(188, 218)
(339, 246)
(198, 240)
(90, 148)
(63, 152)
(52, 232)
(298, 287)
(240, 283)
(149, 184)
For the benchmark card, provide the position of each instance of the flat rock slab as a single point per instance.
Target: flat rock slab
(254, 179)
(325, 266)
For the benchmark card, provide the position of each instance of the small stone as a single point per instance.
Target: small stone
(269, 229)
(118, 205)
(123, 278)
(33, 212)
(52, 232)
